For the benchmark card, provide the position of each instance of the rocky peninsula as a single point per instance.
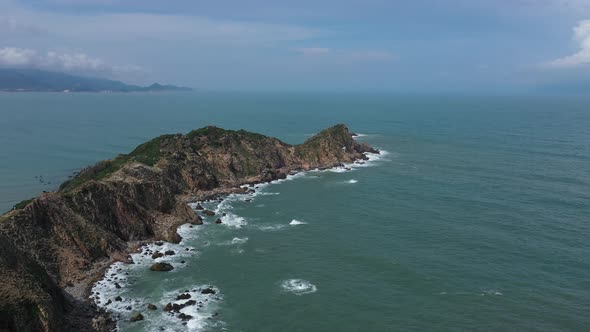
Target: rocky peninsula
(54, 247)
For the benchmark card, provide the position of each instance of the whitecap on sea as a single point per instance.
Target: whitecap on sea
(298, 286)
(297, 222)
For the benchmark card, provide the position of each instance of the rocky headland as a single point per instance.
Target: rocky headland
(54, 247)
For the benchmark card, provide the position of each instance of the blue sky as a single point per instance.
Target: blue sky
(421, 46)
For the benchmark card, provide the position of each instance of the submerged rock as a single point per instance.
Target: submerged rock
(218, 221)
(162, 267)
(184, 296)
(136, 316)
(185, 317)
(209, 213)
(151, 306)
(208, 290)
(169, 253)
(157, 254)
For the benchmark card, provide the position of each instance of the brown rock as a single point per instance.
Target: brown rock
(136, 317)
(162, 267)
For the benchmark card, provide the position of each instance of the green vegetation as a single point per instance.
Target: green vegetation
(147, 153)
(22, 204)
(338, 133)
(150, 153)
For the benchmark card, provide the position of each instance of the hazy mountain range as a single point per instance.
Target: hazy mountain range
(16, 80)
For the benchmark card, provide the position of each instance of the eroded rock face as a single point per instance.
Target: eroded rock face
(61, 238)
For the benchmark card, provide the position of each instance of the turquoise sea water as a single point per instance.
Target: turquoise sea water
(475, 220)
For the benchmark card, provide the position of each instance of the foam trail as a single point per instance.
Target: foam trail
(352, 181)
(297, 222)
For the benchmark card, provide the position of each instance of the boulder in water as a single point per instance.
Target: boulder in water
(208, 290)
(136, 317)
(162, 267)
(157, 254)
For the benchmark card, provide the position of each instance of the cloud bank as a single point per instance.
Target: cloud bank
(51, 60)
(582, 57)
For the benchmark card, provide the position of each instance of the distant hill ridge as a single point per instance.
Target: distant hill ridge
(22, 80)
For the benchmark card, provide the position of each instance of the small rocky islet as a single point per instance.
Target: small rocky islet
(54, 247)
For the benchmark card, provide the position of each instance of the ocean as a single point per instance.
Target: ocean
(475, 217)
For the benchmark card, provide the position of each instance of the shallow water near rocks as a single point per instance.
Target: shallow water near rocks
(476, 219)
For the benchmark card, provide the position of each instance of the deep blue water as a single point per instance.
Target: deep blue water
(476, 219)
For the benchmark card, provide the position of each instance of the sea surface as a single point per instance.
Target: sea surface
(475, 217)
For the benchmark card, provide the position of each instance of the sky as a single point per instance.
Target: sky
(419, 46)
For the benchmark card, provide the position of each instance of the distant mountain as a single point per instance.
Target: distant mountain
(16, 80)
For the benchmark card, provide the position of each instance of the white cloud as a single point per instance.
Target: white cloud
(12, 56)
(51, 60)
(582, 57)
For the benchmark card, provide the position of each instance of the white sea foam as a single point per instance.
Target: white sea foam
(339, 169)
(297, 222)
(201, 312)
(270, 228)
(298, 286)
(233, 220)
(239, 240)
(352, 181)
(492, 292)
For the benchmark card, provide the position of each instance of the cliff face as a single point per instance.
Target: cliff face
(60, 240)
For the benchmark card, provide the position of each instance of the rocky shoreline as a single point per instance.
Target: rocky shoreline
(55, 247)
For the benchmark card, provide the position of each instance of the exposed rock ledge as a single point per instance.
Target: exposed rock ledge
(52, 248)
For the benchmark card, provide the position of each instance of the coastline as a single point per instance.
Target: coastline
(247, 189)
(103, 214)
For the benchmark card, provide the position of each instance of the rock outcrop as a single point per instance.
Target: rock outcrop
(52, 248)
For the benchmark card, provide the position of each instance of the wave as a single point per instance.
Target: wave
(488, 292)
(114, 293)
(352, 181)
(297, 222)
(271, 228)
(238, 240)
(298, 286)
